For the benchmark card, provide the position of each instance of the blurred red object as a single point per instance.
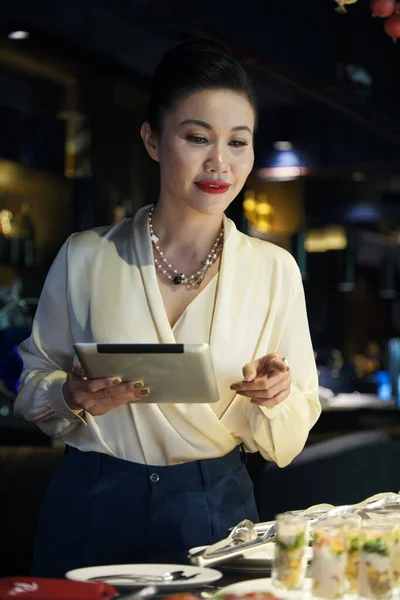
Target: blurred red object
(36, 588)
(392, 24)
(383, 8)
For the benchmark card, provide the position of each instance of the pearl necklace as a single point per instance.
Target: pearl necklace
(176, 276)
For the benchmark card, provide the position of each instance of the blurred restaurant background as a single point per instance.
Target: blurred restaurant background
(326, 185)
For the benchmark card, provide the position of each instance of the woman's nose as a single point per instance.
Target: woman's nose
(217, 162)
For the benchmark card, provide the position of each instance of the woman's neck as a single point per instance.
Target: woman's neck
(184, 231)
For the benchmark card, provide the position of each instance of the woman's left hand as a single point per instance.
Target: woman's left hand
(267, 381)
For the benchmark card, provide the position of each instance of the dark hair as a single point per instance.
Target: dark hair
(195, 65)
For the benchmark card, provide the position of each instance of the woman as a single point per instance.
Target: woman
(145, 482)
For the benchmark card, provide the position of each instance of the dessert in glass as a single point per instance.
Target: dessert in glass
(376, 554)
(329, 559)
(291, 546)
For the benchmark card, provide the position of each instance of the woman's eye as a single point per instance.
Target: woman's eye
(200, 139)
(197, 139)
(237, 143)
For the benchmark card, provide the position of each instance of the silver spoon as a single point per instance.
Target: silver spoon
(173, 576)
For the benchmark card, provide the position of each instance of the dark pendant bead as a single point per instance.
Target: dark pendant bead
(177, 280)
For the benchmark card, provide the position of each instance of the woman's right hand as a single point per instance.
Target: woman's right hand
(99, 396)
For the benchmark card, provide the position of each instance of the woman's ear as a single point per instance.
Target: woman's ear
(150, 141)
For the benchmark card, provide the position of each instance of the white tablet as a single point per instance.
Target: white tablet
(174, 373)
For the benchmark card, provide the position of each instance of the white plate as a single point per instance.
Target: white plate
(259, 558)
(204, 575)
(265, 585)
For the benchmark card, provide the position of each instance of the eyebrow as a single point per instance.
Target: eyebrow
(208, 126)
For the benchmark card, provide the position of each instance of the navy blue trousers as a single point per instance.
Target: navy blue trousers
(101, 510)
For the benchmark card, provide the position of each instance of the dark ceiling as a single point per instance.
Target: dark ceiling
(339, 74)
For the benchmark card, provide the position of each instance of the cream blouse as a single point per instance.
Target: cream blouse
(102, 287)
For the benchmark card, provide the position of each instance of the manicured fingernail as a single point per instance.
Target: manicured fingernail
(117, 381)
(145, 392)
(138, 385)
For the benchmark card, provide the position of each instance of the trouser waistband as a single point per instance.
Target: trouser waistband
(193, 474)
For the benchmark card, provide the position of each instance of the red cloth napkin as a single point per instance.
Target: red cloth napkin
(36, 588)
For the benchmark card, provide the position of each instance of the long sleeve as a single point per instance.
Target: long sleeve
(281, 432)
(103, 288)
(47, 355)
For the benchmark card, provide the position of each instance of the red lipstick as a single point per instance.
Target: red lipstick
(212, 186)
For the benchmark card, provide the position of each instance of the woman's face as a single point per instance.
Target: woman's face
(206, 150)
